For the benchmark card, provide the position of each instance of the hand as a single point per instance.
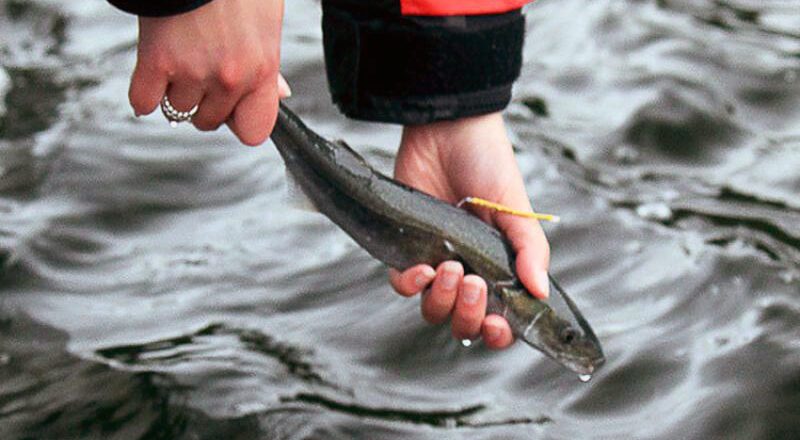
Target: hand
(457, 159)
(223, 56)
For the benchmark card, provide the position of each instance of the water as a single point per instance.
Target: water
(156, 284)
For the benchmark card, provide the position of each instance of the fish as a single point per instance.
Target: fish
(402, 227)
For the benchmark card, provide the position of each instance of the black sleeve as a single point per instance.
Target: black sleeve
(158, 8)
(384, 66)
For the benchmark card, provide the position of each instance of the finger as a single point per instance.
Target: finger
(413, 280)
(284, 91)
(470, 308)
(437, 305)
(254, 116)
(216, 108)
(185, 94)
(532, 251)
(496, 332)
(148, 86)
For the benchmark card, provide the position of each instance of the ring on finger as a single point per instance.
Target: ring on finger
(175, 116)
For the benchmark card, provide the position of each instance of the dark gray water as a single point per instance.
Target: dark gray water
(156, 283)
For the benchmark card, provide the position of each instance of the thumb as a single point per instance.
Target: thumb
(532, 252)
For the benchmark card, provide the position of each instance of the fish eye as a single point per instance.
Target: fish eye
(568, 335)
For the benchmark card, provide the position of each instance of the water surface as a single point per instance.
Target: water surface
(156, 283)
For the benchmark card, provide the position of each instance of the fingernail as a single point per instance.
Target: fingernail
(424, 277)
(543, 283)
(282, 84)
(449, 279)
(471, 293)
(492, 332)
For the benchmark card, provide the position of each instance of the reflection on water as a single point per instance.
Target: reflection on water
(156, 284)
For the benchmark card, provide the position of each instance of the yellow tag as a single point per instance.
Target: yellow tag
(475, 201)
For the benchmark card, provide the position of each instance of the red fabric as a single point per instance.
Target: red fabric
(459, 7)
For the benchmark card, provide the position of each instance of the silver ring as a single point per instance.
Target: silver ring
(175, 116)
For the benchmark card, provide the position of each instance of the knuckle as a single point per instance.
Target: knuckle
(266, 72)
(230, 76)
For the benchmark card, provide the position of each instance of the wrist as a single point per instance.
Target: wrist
(445, 137)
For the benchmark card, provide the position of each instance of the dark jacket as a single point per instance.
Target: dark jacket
(409, 61)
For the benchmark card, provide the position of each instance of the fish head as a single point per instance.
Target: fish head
(564, 342)
(558, 329)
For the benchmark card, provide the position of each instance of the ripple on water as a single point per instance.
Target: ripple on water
(696, 99)
(629, 386)
(773, 175)
(211, 342)
(678, 127)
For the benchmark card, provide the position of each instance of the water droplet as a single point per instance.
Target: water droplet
(173, 124)
(4, 359)
(585, 377)
(466, 342)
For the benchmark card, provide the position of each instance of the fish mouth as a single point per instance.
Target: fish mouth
(593, 366)
(575, 362)
(580, 364)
